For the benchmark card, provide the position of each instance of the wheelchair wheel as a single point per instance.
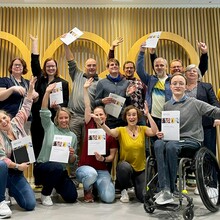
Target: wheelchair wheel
(147, 206)
(188, 213)
(208, 178)
(151, 169)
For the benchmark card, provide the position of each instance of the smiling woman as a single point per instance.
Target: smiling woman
(47, 75)
(11, 174)
(131, 166)
(53, 174)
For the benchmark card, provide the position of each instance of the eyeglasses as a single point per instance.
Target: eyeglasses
(17, 65)
(50, 66)
(175, 67)
(178, 84)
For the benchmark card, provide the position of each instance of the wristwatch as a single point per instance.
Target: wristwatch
(16, 166)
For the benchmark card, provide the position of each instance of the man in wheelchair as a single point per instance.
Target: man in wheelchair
(191, 136)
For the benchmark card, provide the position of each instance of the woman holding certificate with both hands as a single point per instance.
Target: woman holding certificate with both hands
(54, 175)
(93, 171)
(131, 166)
(11, 173)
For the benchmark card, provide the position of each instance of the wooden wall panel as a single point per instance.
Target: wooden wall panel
(131, 23)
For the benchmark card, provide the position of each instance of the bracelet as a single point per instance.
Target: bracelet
(16, 166)
(102, 123)
(104, 159)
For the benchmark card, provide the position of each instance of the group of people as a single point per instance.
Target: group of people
(84, 109)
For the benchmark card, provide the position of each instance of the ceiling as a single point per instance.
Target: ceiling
(113, 3)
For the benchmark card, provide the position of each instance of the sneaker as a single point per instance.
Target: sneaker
(157, 194)
(196, 191)
(5, 211)
(164, 198)
(88, 196)
(213, 194)
(54, 193)
(124, 196)
(46, 200)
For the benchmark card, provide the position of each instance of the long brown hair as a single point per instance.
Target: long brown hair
(44, 67)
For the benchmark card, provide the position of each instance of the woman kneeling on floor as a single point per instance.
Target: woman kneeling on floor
(11, 173)
(54, 175)
(93, 170)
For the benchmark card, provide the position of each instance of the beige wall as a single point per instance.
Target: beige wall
(107, 23)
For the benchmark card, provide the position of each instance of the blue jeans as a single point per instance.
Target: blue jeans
(18, 187)
(100, 179)
(127, 175)
(51, 175)
(167, 153)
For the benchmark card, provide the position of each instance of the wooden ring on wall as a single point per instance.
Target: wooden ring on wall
(193, 56)
(86, 36)
(21, 47)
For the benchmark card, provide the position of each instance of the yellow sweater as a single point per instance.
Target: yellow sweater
(132, 150)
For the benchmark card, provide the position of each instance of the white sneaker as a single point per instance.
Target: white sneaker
(54, 193)
(157, 194)
(124, 196)
(5, 211)
(164, 198)
(196, 191)
(213, 194)
(46, 200)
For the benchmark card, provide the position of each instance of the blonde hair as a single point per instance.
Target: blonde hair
(58, 112)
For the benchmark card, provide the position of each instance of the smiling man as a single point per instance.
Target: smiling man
(191, 136)
(114, 83)
(76, 101)
(158, 85)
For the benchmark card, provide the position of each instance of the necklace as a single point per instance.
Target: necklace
(133, 132)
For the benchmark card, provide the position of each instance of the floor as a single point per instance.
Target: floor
(100, 211)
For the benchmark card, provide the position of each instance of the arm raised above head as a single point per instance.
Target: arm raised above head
(87, 100)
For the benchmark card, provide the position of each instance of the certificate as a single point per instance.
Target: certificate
(23, 150)
(96, 141)
(73, 35)
(114, 108)
(60, 148)
(152, 40)
(170, 125)
(56, 97)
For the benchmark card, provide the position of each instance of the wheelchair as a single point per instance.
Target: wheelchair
(207, 175)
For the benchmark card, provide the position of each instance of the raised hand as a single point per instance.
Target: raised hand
(202, 47)
(33, 38)
(143, 46)
(50, 87)
(88, 83)
(146, 109)
(152, 50)
(116, 42)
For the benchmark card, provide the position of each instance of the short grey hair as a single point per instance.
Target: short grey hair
(191, 66)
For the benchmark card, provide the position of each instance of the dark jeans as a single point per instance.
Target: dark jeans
(154, 138)
(126, 174)
(210, 138)
(167, 153)
(51, 175)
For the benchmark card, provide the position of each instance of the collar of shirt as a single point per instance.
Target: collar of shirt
(95, 77)
(183, 99)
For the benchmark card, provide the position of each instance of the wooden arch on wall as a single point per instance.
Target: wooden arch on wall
(86, 36)
(21, 47)
(193, 56)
